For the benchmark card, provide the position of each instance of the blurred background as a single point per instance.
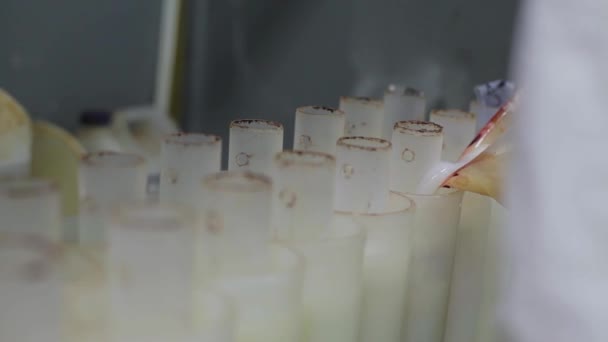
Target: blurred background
(206, 62)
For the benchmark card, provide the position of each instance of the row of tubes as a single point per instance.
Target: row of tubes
(326, 242)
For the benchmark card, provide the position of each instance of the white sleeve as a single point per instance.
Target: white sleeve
(556, 244)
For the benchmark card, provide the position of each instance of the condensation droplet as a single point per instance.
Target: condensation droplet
(288, 197)
(242, 159)
(305, 141)
(408, 155)
(348, 171)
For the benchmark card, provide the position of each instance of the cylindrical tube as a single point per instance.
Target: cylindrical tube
(30, 289)
(237, 215)
(494, 276)
(435, 228)
(402, 103)
(31, 206)
(459, 128)
(187, 158)
(105, 179)
(318, 128)
(253, 145)
(332, 291)
(267, 300)
(150, 265)
(214, 319)
(364, 116)
(416, 149)
(385, 269)
(469, 269)
(86, 300)
(363, 168)
(482, 112)
(304, 187)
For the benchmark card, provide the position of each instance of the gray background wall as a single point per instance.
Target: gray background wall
(59, 57)
(249, 58)
(264, 58)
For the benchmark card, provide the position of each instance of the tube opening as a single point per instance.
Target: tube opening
(422, 128)
(455, 114)
(257, 124)
(362, 101)
(365, 143)
(27, 188)
(237, 181)
(192, 139)
(112, 159)
(319, 110)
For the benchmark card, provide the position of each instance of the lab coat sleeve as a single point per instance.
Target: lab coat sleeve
(556, 246)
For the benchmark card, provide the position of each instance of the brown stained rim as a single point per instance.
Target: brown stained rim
(454, 114)
(402, 90)
(192, 139)
(365, 143)
(420, 128)
(362, 100)
(257, 125)
(111, 159)
(28, 188)
(151, 216)
(405, 205)
(237, 181)
(299, 158)
(320, 111)
(46, 248)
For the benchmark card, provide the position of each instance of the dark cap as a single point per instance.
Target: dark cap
(96, 118)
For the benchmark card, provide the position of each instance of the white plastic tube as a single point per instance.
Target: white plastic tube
(317, 128)
(435, 229)
(459, 128)
(468, 278)
(267, 299)
(237, 216)
(385, 269)
(304, 187)
(402, 104)
(107, 178)
(187, 158)
(364, 116)
(214, 319)
(482, 112)
(417, 148)
(496, 274)
(30, 289)
(253, 145)
(332, 291)
(363, 168)
(86, 300)
(31, 206)
(151, 263)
